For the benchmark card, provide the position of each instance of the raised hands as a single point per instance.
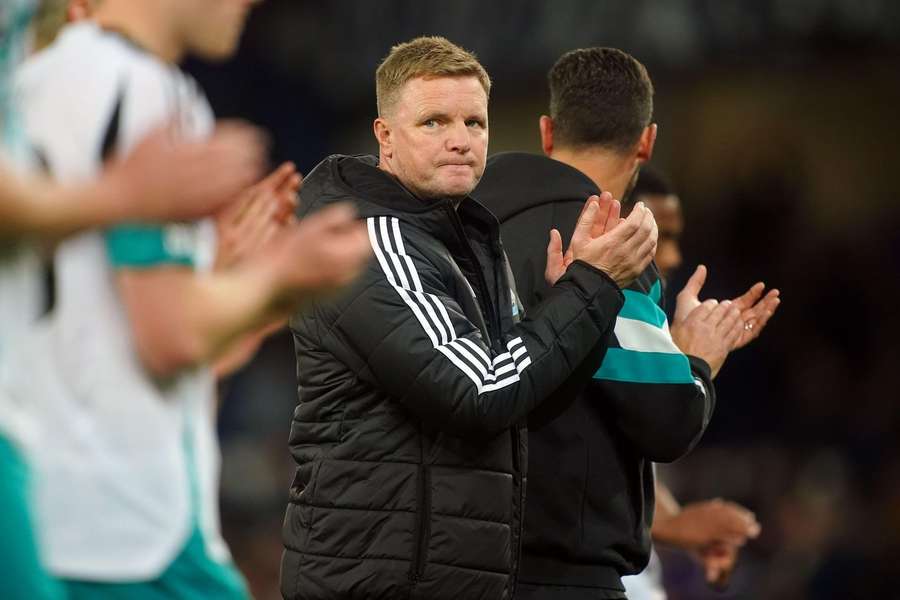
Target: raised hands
(162, 180)
(756, 310)
(324, 251)
(622, 248)
(256, 215)
(713, 531)
(722, 327)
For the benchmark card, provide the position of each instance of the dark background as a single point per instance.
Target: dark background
(778, 126)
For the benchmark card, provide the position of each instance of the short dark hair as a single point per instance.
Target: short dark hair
(599, 97)
(426, 56)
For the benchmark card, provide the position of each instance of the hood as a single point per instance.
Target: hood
(514, 182)
(375, 193)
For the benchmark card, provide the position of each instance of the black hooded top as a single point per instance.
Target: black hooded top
(590, 486)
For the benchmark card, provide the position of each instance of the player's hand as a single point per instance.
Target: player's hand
(625, 247)
(689, 297)
(756, 310)
(605, 219)
(702, 524)
(321, 253)
(256, 215)
(166, 180)
(718, 561)
(709, 332)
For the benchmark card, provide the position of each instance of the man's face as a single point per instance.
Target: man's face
(667, 211)
(212, 28)
(434, 138)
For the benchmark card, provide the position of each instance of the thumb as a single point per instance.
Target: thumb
(554, 248)
(586, 220)
(695, 283)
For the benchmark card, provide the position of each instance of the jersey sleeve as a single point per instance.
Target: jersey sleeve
(662, 399)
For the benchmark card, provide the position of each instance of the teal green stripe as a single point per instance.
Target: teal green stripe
(142, 246)
(641, 307)
(656, 292)
(644, 367)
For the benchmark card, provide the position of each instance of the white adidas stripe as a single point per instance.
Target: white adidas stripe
(466, 355)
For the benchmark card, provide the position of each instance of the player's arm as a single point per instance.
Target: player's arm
(661, 395)
(180, 319)
(406, 331)
(160, 180)
(712, 530)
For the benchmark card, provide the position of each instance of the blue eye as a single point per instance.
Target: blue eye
(430, 123)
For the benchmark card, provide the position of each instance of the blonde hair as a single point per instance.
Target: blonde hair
(427, 56)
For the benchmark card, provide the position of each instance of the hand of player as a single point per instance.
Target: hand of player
(689, 297)
(166, 180)
(718, 561)
(624, 250)
(756, 310)
(701, 524)
(321, 253)
(253, 218)
(606, 218)
(709, 332)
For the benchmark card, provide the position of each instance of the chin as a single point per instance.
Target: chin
(221, 50)
(458, 189)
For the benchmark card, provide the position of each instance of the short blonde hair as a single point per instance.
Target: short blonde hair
(427, 56)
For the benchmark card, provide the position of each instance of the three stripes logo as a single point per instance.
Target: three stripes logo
(466, 352)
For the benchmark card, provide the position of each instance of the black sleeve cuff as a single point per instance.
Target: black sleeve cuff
(598, 288)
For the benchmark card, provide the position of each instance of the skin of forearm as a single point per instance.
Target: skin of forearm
(212, 313)
(666, 508)
(38, 208)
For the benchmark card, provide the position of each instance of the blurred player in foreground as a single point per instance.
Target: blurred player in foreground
(112, 386)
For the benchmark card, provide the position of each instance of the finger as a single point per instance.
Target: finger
(731, 325)
(587, 203)
(605, 203)
(335, 216)
(703, 312)
(749, 298)
(628, 233)
(695, 284)
(554, 248)
(289, 185)
(721, 310)
(280, 176)
(583, 227)
(613, 218)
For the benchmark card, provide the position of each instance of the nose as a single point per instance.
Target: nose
(458, 139)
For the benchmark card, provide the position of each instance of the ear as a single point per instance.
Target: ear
(646, 143)
(546, 125)
(382, 131)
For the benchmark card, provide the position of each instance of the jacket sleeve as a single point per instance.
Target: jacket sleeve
(661, 399)
(417, 345)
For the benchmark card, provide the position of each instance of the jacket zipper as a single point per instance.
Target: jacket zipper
(493, 319)
(520, 526)
(423, 524)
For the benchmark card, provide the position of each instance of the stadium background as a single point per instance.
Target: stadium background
(779, 128)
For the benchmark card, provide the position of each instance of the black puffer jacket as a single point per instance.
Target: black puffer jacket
(414, 385)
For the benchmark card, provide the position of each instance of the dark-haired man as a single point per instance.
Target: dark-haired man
(590, 495)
